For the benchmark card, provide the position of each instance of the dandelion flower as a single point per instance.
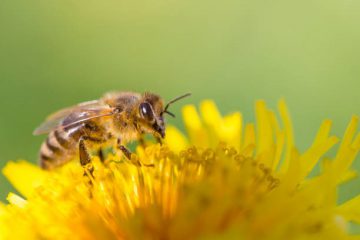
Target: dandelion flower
(225, 180)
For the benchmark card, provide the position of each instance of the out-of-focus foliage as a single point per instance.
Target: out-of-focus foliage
(57, 53)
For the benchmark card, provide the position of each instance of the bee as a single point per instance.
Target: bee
(120, 117)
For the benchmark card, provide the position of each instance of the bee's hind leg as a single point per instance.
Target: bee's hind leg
(85, 157)
(85, 160)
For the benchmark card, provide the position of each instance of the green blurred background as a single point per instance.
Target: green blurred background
(57, 53)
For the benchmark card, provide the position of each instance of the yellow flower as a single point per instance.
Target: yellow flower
(225, 181)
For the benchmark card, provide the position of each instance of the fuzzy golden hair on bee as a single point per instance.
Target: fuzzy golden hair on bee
(119, 116)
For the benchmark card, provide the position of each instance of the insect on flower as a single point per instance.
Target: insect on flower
(117, 116)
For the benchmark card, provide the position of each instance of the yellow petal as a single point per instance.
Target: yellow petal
(193, 124)
(16, 200)
(249, 140)
(280, 140)
(210, 113)
(231, 130)
(175, 139)
(350, 209)
(24, 176)
(289, 135)
(349, 175)
(343, 158)
(264, 129)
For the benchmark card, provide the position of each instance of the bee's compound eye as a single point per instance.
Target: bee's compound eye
(146, 111)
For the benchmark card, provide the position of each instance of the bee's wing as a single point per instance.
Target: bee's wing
(66, 111)
(68, 117)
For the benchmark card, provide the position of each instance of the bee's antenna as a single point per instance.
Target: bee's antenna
(170, 113)
(172, 101)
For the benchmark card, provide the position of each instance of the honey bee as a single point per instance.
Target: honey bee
(120, 117)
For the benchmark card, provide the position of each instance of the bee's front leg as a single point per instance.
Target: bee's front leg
(125, 151)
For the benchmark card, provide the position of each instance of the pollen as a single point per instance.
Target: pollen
(222, 179)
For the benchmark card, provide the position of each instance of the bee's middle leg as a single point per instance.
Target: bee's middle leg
(128, 153)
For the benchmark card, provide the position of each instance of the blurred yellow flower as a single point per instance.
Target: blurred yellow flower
(225, 181)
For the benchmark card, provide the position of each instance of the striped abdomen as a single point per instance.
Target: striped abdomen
(62, 145)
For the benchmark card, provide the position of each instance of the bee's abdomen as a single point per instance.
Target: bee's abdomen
(62, 144)
(58, 148)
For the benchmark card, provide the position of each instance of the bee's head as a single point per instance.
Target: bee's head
(151, 113)
(150, 117)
